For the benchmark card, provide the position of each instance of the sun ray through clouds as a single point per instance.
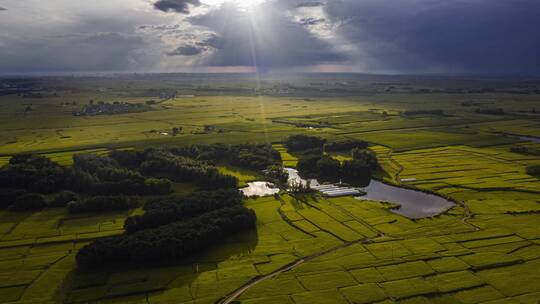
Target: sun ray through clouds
(253, 31)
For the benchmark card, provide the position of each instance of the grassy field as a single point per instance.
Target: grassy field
(340, 250)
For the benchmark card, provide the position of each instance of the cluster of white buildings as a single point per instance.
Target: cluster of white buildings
(336, 191)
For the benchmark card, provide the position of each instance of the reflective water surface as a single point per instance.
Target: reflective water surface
(413, 204)
(260, 189)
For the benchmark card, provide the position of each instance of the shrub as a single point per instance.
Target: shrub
(307, 165)
(34, 173)
(63, 198)
(91, 163)
(366, 157)
(328, 167)
(356, 173)
(277, 174)
(534, 170)
(128, 158)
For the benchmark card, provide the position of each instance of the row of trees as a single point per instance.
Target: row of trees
(254, 157)
(20, 200)
(313, 144)
(103, 175)
(124, 173)
(163, 211)
(167, 242)
(313, 162)
(525, 150)
(299, 143)
(90, 175)
(165, 164)
(326, 168)
(146, 172)
(248, 156)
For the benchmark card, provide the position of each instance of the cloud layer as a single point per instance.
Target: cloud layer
(406, 36)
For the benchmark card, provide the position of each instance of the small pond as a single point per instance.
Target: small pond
(413, 204)
(260, 189)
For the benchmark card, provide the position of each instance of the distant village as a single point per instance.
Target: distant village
(105, 108)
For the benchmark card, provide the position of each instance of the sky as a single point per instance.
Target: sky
(490, 37)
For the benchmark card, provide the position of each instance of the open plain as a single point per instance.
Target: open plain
(467, 140)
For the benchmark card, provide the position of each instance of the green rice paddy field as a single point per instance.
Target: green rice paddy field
(306, 249)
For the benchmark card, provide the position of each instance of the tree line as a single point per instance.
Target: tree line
(32, 182)
(169, 242)
(248, 156)
(167, 210)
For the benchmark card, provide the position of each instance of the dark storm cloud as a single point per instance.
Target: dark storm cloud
(178, 6)
(72, 52)
(311, 21)
(477, 36)
(187, 50)
(267, 39)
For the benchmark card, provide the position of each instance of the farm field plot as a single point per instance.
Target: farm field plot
(518, 127)
(451, 268)
(473, 175)
(404, 122)
(433, 137)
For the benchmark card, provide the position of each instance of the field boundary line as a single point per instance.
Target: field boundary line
(241, 290)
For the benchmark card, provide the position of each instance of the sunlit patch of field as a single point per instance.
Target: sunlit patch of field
(287, 159)
(425, 138)
(243, 176)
